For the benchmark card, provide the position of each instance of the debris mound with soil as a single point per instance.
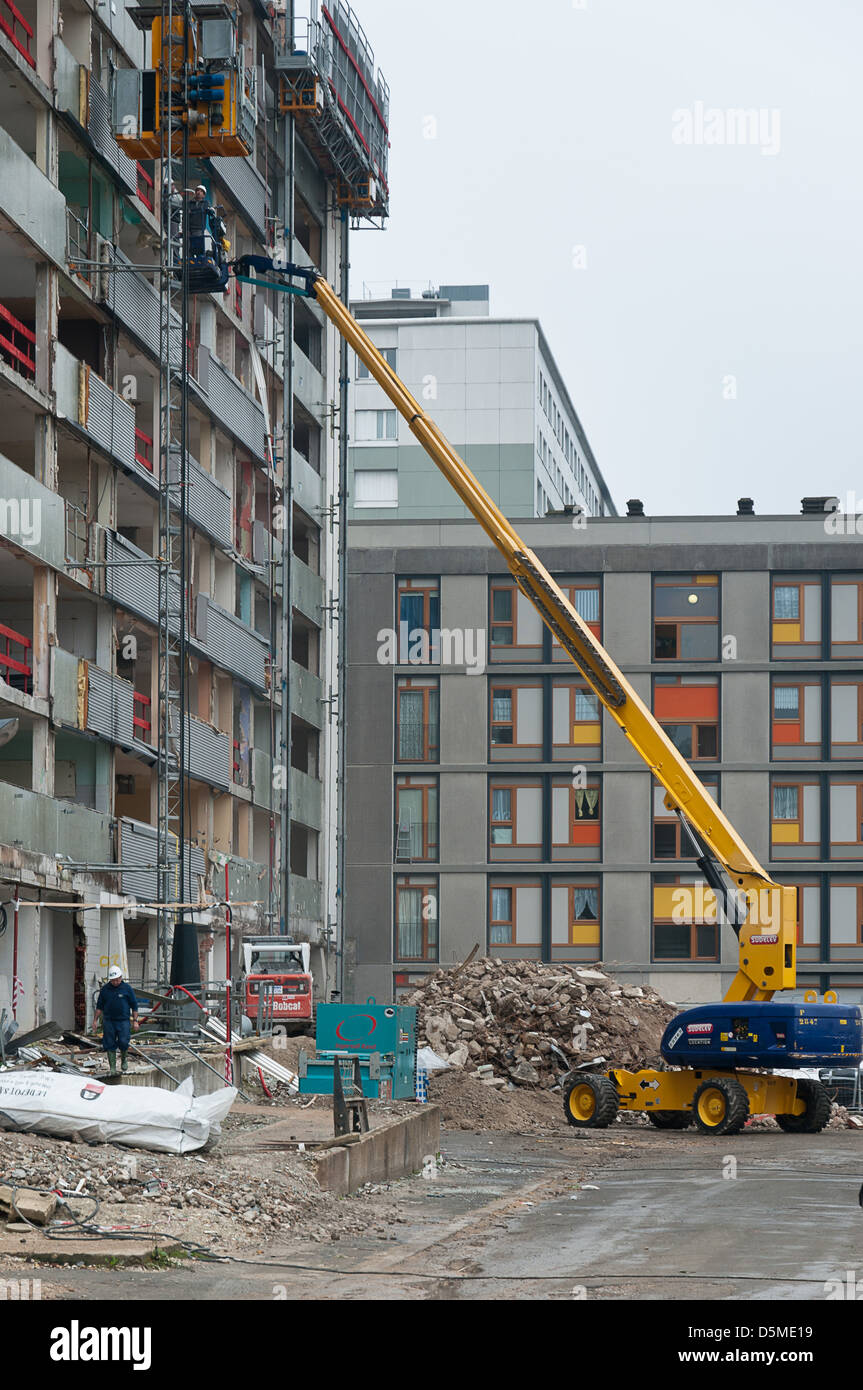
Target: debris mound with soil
(503, 1020)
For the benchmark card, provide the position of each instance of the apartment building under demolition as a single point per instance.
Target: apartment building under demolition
(82, 750)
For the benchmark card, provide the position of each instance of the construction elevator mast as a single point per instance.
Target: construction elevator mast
(178, 957)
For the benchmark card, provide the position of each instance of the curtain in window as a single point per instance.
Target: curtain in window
(786, 601)
(784, 803)
(587, 604)
(501, 708)
(585, 904)
(410, 923)
(411, 727)
(786, 699)
(501, 805)
(411, 612)
(586, 802)
(501, 911)
(586, 706)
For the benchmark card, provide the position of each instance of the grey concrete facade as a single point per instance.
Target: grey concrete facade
(501, 871)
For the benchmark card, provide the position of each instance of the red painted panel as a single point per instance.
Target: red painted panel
(686, 702)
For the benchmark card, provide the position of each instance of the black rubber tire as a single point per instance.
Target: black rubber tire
(605, 1100)
(736, 1110)
(816, 1114)
(670, 1119)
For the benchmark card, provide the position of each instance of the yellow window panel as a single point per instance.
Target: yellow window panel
(786, 834)
(584, 934)
(683, 902)
(586, 733)
(786, 632)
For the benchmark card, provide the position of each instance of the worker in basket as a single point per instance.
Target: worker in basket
(208, 246)
(118, 1008)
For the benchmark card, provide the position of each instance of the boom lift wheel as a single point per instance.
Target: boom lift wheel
(816, 1114)
(720, 1106)
(589, 1101)
(670, 1119)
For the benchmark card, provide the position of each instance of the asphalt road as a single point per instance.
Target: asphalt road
(619, 1214)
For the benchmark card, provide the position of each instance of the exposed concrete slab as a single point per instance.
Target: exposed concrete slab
(33, 1245)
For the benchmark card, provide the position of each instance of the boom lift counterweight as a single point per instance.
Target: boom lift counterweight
(747, 1028)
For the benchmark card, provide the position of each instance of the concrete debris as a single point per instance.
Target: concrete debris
(514, 1021)
(36, 1207)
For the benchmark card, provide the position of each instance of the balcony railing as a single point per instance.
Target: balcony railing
(77, 536)
(146, 191)
(17, 30)
(141, 719)
(17, 670)
(78, 243)
(144, 450)
(17, 343)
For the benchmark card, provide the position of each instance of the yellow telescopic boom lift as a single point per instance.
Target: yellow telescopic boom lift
(747, 1027)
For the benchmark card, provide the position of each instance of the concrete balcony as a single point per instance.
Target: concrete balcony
(208, 504)
(306, 899)
(307, 693)
(89, 405)
(42, 825)
(246, 189)
(208, 754)
(307, 591)
(306, 799)
(308, 485)
(78, 95)
(247, 881)
(233, 406)
(132, 581)
(227, 641)
(135, 301)
(263, 793)
(308, 384)
(139, 850)
(32, 517)
(108, 706)
(31, 205)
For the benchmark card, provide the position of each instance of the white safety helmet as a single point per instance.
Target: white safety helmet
(115, 973)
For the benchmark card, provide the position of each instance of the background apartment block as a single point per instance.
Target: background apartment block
(500, 806)
(79, 413)
(493, 388)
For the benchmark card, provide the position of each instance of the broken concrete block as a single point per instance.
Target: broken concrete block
(37, 1207)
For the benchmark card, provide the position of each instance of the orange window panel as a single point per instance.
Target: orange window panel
(787, 733)
(585, 835)
(686, 702)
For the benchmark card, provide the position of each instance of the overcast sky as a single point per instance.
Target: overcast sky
(710, 329)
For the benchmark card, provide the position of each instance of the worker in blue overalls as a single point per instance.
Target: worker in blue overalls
(119, 1009)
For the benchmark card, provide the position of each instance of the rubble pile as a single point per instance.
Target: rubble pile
(226, 1201)
(501, 1021)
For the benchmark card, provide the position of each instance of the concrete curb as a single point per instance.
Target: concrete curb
(391, 1151)
(69, 1251)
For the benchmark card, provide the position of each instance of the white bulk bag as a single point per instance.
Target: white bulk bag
(45, 1102)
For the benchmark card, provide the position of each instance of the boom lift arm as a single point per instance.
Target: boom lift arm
(762, 913)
